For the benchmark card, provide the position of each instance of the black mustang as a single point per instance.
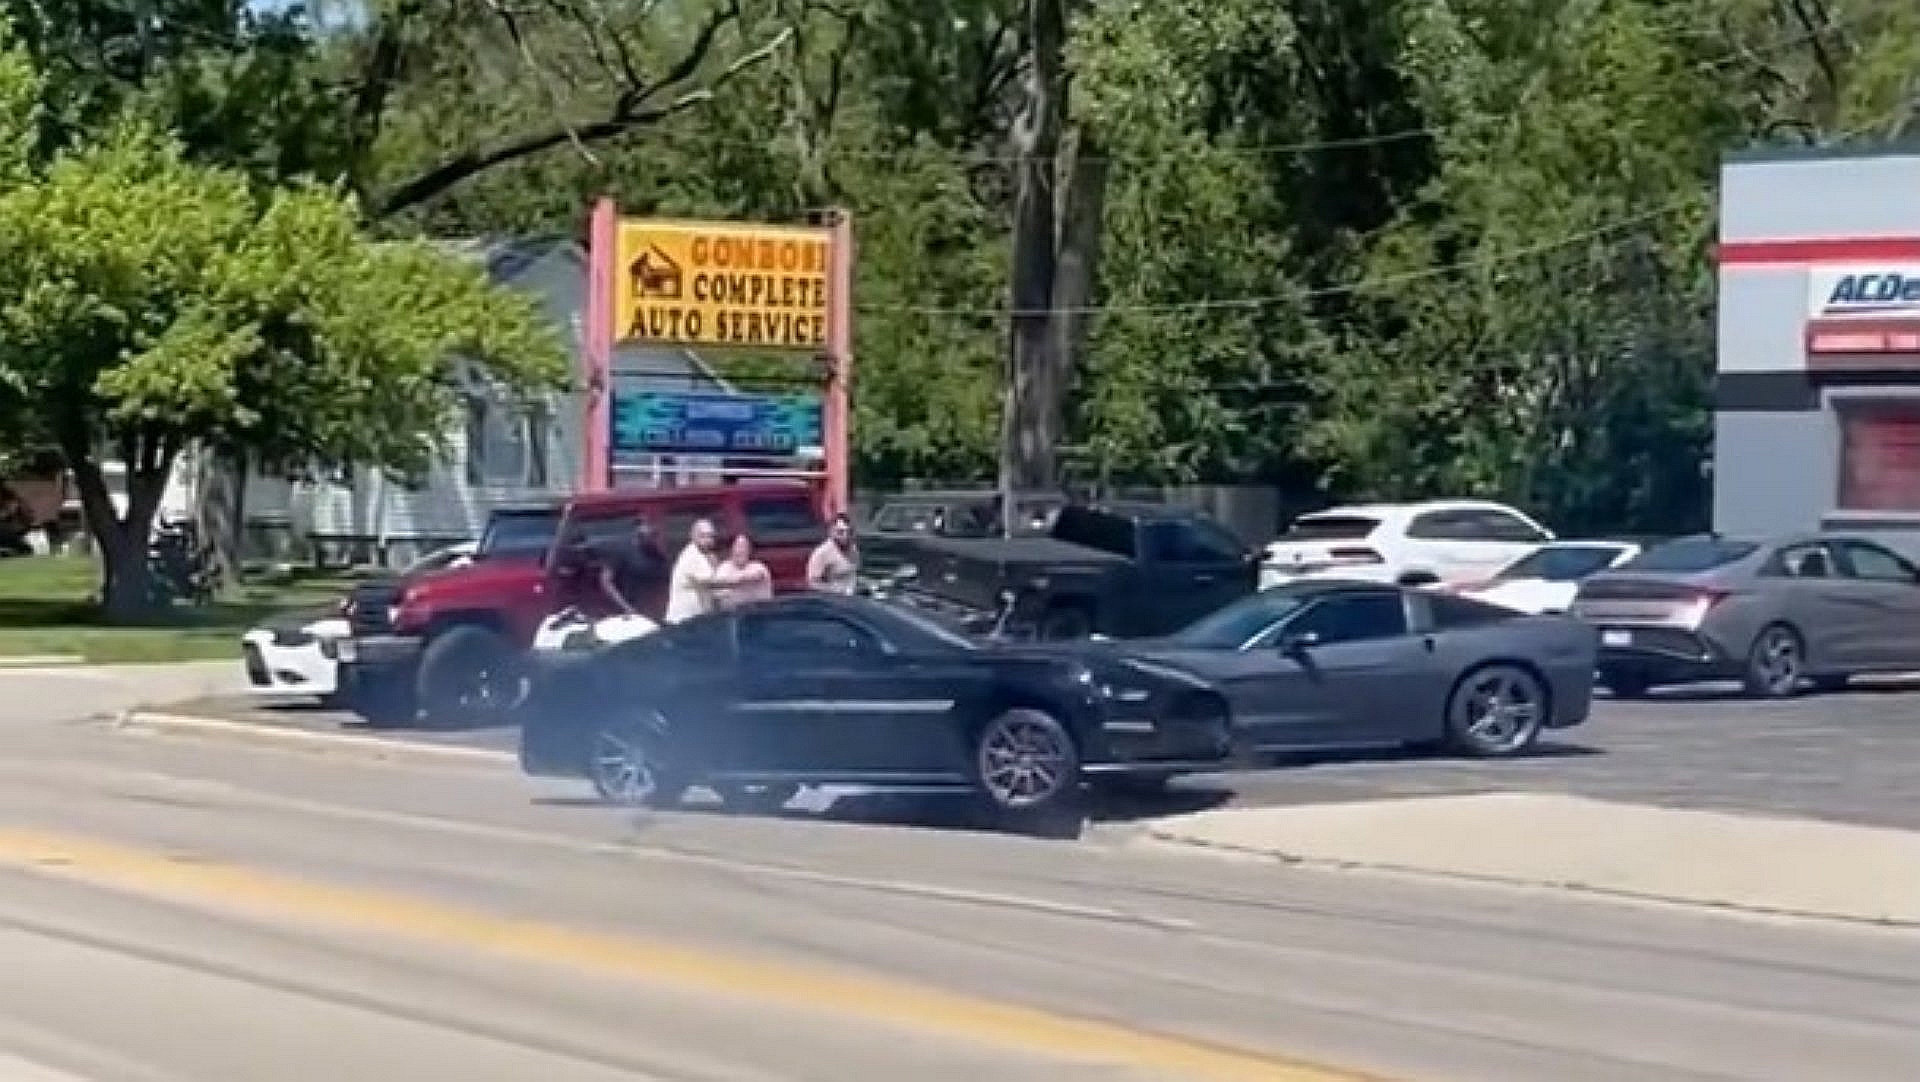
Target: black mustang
(821, 689)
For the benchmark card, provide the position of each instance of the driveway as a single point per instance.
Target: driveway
(1849, 757)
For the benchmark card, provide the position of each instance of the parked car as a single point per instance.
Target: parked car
(1776, 615)
(822, 689)
(1123, 570)
(449, 649)
(902, 519)
(1546, 579)
(1437, 542)
(298, 653)
(1323, 663)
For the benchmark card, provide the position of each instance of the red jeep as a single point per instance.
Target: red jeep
(449, 649)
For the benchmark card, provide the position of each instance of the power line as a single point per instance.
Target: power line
(1226, 303)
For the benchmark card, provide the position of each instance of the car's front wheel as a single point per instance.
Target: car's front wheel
(627, 766)
(1027, 768)
(1496, 711)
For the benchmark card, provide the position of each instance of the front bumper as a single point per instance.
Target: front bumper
(1180, 733)
(274, 667)
(381, 654)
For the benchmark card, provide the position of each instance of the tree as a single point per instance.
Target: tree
(148, 303)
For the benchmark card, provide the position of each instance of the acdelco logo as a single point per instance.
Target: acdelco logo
(1889, 293)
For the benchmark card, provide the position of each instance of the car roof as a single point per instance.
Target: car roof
(1398, 511)
(622, 498)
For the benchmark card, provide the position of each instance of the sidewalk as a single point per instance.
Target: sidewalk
(1751, 863)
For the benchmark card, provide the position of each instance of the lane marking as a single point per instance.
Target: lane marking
(379, 746)
(788, 985)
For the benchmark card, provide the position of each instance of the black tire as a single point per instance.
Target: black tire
(1496, 711)
(628, 766)
(1828, 683)
(1027, 771)
(1625, 683)
(1065, 622)
(1776, 663)
(757, 799)
(469, 676)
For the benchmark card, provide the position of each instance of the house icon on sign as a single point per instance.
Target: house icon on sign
(655, 274)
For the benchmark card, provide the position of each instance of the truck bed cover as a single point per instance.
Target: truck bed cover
(1015, 549)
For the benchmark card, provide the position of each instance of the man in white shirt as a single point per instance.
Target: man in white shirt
(690, 588)
(834, 566)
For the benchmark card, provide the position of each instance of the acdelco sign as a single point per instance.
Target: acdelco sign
(1864, 292)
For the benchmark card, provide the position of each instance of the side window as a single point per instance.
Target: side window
(1805, 561)
(611, 530)
(787, 633)
(1443, 526)
(1448, 611)
(1353, 618)
(675, 524)
(1203, 542)
(782, 520)
(1874, 563)
(1500, 526)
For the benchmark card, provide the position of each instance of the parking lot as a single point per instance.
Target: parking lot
(1850, 757)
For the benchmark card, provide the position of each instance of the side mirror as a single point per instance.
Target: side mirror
(1297, 644)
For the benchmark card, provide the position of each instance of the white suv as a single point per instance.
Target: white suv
(1438, 542)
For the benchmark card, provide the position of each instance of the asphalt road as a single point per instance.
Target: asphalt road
(183, 909)
(1848, 757)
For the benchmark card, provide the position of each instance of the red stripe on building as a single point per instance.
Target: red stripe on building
(1820, 250)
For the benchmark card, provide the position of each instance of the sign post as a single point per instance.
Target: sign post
(719, 285)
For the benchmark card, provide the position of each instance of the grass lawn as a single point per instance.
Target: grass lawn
(44, 610)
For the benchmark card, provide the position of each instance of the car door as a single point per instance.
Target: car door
(1891, 587)
(1834, 614)
(1195, 569)
(825, 695)
(1346, 670)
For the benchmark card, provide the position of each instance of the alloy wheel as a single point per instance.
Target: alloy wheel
(1500, 710)
(1024, 759)
(623, 771)
(1777, 661)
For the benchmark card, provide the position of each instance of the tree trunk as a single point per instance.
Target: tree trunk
(1030, 413)
(220, 493)
(127, 593)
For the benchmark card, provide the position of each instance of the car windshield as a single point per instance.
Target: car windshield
(1237, 624)
(1690, 554)
(1330, 528)
(1560, 563)
(518, 532)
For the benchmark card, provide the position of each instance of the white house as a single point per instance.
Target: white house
(497, 453)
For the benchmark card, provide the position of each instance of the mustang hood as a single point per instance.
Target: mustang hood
(1152, 657)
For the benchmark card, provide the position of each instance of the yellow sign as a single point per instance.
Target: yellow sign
(721, 284)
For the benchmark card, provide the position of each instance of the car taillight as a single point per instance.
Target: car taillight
(1695, 608)
(1355, 555)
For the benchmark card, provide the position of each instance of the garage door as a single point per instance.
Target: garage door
(1880, 458)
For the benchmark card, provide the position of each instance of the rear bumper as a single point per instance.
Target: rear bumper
(1664, 652)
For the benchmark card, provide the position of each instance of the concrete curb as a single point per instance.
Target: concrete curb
(37, 661)
(1168, 837)
(377, 747)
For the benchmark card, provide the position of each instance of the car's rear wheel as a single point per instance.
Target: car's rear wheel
(627, 765)
(1027, 769)
(1496, 711)
(1776, 663)
(757, 799)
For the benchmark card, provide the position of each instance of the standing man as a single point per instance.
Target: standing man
(690, 590)
(834, 566)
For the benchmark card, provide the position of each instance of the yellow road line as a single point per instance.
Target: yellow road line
(868, 999)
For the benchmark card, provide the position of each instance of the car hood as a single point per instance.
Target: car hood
(1155, 657)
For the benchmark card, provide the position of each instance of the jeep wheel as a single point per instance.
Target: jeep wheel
(469, 677)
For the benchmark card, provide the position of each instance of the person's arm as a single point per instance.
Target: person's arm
(610, 586)
(817, 568)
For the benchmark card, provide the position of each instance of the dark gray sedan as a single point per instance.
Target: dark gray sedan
(1776, 615)
(1327, 663)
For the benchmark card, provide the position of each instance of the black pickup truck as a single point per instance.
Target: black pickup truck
(1120, 570)
(905, 519)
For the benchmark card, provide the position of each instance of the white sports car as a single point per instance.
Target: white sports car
(297, 654)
